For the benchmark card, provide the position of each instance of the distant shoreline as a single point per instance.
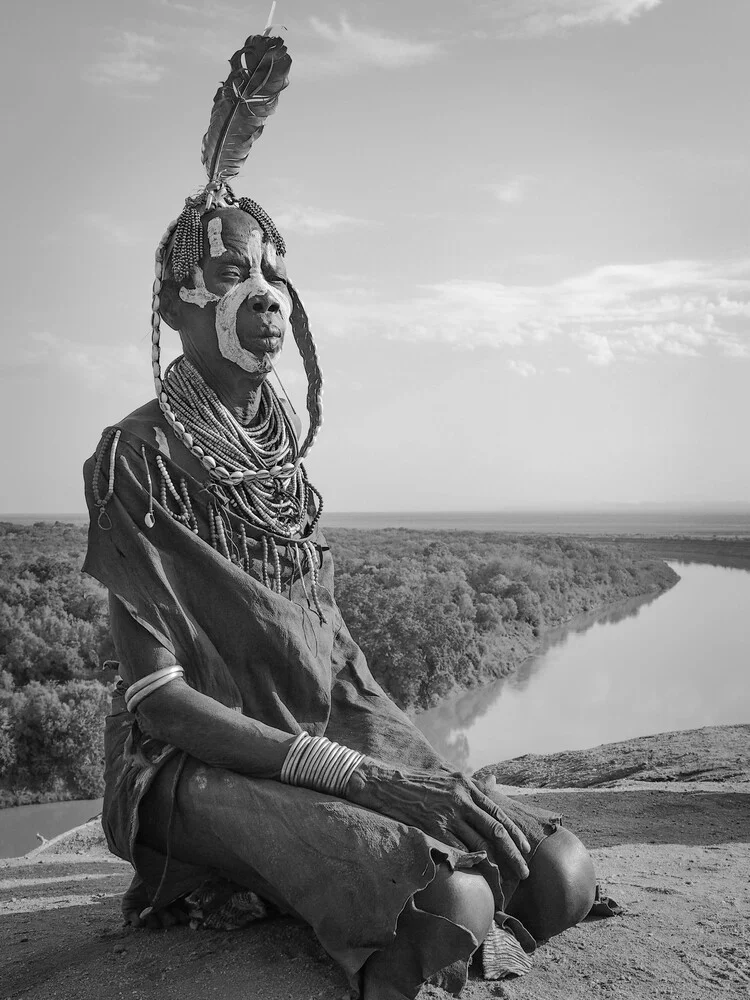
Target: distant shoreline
(690, 522)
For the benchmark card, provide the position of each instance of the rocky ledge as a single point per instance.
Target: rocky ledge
(717, 754)
(667, 819)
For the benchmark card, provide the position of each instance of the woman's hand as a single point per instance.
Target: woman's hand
(448, 807)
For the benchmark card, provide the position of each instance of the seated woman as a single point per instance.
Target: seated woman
(248, 739)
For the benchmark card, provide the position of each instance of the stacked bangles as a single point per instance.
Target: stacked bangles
(150, 683)
(317, 763)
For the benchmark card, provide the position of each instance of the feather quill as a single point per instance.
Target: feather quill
(243, 103)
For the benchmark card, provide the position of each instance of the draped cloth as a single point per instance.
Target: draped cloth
(348, 872)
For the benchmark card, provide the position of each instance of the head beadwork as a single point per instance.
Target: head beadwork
(249, 95)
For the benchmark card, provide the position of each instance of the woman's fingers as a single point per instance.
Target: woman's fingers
(494, 833)
(510, 852)
(515, 832)
(471, 839)
(497, 843)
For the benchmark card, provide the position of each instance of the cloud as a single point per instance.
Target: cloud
(346, 49)
(98, 365)
(534, 18)
(510, 192)
(209, 9)
(121, 233)
(130, 60)
(523, 368)
(311, 221)
(618, 312)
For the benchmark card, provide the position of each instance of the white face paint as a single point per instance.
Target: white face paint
(215, 242)
(226, 323)
(229, 304)
(269, 253)
(200, 295)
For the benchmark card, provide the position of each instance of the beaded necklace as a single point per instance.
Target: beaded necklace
(261, 474)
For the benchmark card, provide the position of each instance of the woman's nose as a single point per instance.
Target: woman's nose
(263, 302)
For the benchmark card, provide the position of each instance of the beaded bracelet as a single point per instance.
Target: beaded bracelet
(320, 764)
(142, 688)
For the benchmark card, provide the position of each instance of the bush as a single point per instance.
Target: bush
(51, 738)
(432, 611)
(53, 620)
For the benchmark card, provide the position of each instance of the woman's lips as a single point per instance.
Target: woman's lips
(267, 341)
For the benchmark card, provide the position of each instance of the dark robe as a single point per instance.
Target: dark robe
(349, 872)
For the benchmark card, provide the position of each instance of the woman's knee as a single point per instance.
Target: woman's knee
(560, 889)
(463, 897)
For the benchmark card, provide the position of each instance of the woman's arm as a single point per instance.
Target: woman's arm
(444, 805)
(177, 714)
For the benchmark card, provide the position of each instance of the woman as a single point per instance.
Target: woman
(248, 739)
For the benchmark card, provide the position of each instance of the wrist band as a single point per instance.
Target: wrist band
(142, 688)
(320, 764)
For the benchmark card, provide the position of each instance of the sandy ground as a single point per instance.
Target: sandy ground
(675, 855)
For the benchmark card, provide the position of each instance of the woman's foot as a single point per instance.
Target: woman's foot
(137, 912)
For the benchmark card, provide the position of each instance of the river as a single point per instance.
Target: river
(651, 665)
(19, 825)
(678, 661)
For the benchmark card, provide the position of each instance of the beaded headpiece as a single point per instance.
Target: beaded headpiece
(249, 95)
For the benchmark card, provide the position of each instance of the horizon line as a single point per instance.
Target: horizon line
(614, 506)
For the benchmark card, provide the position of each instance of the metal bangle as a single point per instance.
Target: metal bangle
(144, 693)
(345, 764)
(348, 773)
(292, 755)
(149, 678)
(313, 752)
(327, 767)
(298, 763)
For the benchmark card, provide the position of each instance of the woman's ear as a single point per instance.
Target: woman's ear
(170, 304)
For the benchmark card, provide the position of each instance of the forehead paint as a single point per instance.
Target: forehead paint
(255, 247)
(200, 295)
(269, 253)
(215, 242)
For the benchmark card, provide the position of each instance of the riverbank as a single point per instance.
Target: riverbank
(731, 552)
(433, 612)
(674, 857)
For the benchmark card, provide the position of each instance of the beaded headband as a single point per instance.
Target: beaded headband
(249, 95)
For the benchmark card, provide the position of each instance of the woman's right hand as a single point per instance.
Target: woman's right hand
(448, 807)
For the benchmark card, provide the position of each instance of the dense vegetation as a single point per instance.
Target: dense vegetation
(432, 611)
(438, 610)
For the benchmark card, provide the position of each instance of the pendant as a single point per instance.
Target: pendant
(149, 520)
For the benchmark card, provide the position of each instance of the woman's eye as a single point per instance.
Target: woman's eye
(271, 274)
(231, 274)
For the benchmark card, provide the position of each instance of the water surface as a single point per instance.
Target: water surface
(679, 661)
(19, 825)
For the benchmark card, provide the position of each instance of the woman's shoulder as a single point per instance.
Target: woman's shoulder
(148, 426)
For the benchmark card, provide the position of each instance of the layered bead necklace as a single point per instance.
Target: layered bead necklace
(262, 477)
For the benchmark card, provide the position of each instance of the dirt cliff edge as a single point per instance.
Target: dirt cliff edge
(667, 820)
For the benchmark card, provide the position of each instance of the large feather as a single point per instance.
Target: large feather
(259, 72)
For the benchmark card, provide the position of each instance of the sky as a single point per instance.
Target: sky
(520, 230)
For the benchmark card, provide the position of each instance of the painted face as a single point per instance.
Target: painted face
(240, 291)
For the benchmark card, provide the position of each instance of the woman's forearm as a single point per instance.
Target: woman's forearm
(213, 733)
(187, 719)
